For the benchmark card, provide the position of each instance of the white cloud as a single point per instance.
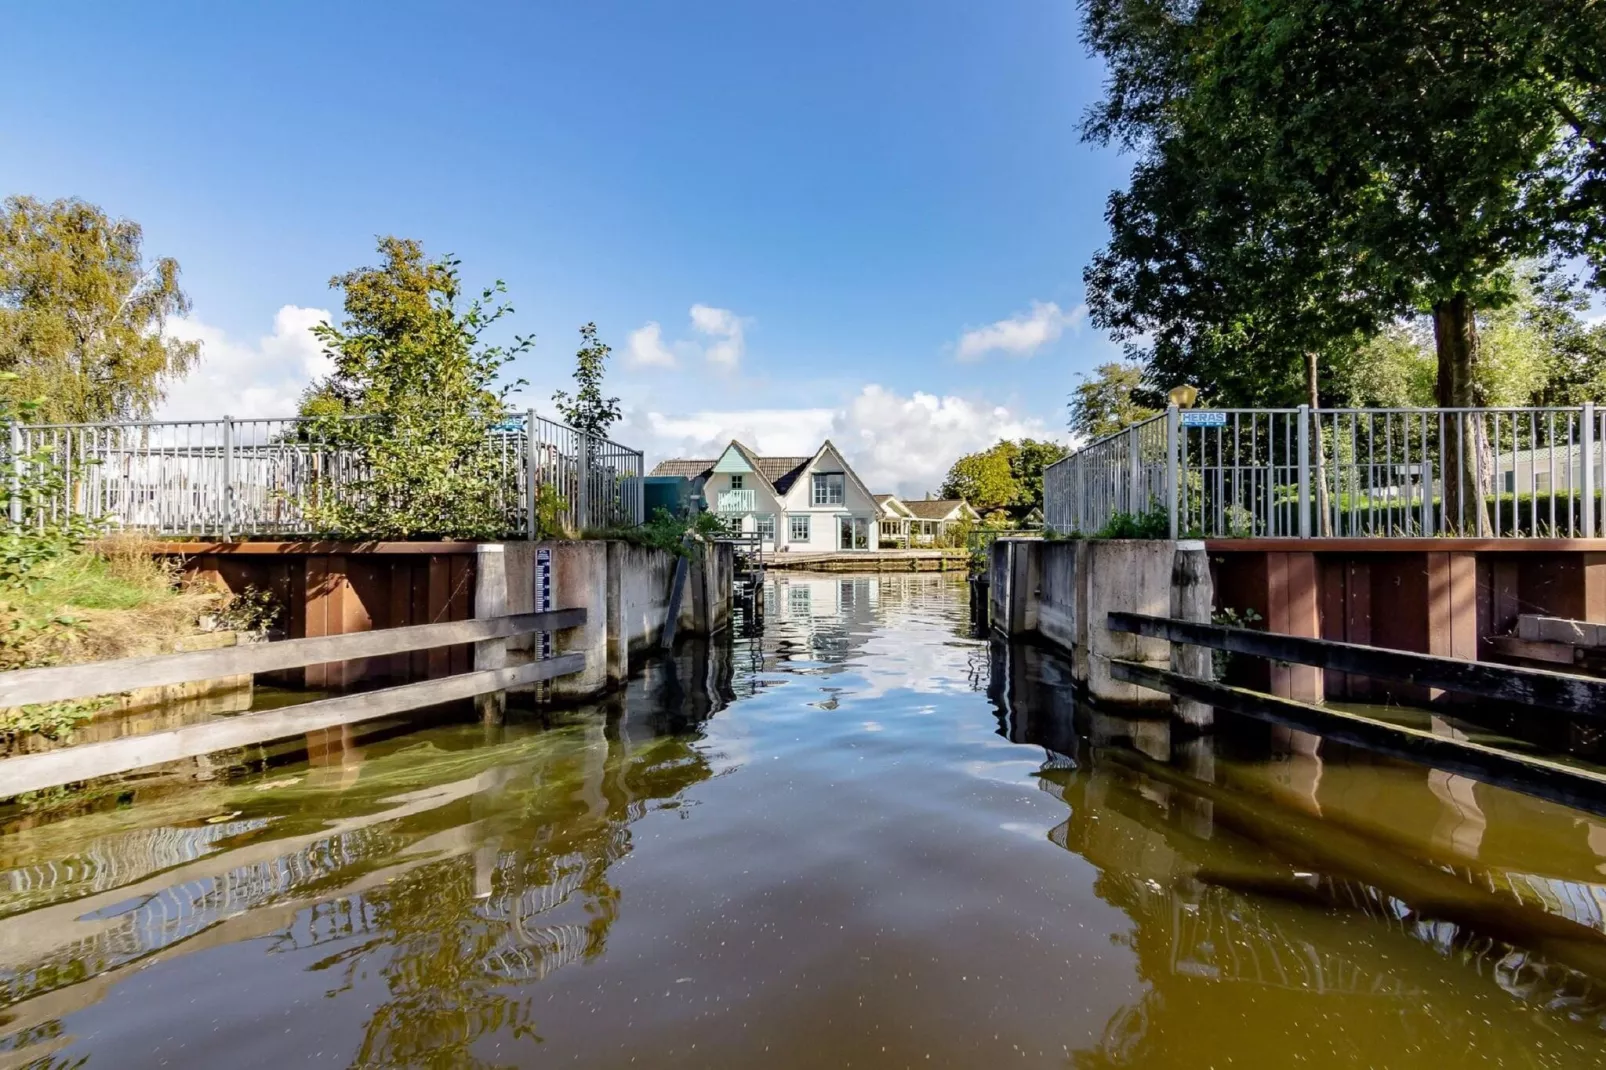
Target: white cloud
(243, 379)
(899, 444)
(723, 325)
(647, 347)
(1021, 334)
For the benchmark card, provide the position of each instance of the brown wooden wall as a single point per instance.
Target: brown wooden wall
(1431, 596)
(337, 589)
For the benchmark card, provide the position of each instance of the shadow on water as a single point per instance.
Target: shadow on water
(1269, 859)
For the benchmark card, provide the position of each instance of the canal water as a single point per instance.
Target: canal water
(851, 835)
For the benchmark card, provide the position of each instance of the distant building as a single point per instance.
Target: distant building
(814, 503)
(921, 522)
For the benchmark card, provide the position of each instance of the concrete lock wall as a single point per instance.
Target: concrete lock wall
(1062, 591)
(626, 589)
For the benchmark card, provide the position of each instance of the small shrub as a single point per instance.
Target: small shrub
(1154, 524)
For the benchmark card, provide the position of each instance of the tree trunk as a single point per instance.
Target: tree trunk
(1324, 523)
(1464, 462)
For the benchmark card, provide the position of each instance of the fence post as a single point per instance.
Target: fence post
(640, 504)
(1304, 471)
(228, 476)
(1134, 453)
(1173, 462)
(530, 466)
(15, 490)
(582, 505)
(1587, 434)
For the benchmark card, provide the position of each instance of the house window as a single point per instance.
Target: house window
(800, 528)
(766, 527)
(736, 482)
(828, 488)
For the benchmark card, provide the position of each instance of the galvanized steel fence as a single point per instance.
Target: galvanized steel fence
(233, 478)
(1341, 473)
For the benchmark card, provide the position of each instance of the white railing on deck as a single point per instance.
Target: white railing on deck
(235, 478)
(1341, 473)
(736, 501)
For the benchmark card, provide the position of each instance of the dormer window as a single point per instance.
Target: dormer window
(736, 482)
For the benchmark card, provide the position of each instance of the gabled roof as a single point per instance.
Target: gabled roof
(891, 503)
(680, 466)
(846, 467)
(779, 472)
(937, 508)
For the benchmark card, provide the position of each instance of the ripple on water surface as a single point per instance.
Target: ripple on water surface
(848, 834)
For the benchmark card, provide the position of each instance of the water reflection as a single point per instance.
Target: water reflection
(850, 835)
(1266, 883)
(453, 870)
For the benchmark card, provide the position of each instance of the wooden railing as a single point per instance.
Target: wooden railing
(1578, 696)
(31, 772)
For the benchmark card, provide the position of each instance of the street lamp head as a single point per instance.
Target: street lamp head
(1183, 396)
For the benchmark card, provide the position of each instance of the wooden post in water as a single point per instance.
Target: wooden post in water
(490, 600)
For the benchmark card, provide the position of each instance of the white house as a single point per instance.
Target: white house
(921, 523)
(793, 503)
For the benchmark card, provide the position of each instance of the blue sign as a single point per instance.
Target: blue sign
(1204, 419)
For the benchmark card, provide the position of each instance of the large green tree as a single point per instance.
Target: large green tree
(1311, 169)
(83, 313)
(416, 395)
(1005, 477)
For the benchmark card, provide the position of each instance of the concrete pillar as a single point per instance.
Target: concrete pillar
(580, 580)
(1192, 599)
(490, 600)
(1133, 576)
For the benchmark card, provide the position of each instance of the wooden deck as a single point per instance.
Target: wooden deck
(871, 561)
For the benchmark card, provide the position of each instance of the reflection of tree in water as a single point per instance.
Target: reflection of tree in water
(456, 941)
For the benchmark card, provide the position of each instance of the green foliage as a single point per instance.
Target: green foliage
(551, 509)
(82, 314)
(253, 611)
(984, 479)
(1004, 481)
(666, 531)
(1221, 660)
(1108, 402)
(1309, 171)
(587, 409)
(1154, 524)
(414, 397)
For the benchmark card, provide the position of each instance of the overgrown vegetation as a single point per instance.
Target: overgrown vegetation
(666, 531)
(1005, 481)
(417, 400)
(587, 409)
(1154, 524)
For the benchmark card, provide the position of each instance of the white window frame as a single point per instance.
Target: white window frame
(759, 523)
(803, 521)
(822, 486)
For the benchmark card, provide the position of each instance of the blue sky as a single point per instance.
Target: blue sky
(881, 209)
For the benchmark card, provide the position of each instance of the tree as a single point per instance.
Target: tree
(82, 313)
(1005, 479)
(587, 410)
(1394, 156)
(1107, 402)
(984, 479)
(415, 396)
(1026, 464)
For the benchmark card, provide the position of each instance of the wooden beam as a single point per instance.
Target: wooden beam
(1580, 695)
(58, 683)
(1553, 781)
(32, 772)
(179, 548)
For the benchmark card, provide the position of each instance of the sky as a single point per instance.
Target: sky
(866, 220)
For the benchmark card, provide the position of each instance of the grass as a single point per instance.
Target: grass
(112, 599)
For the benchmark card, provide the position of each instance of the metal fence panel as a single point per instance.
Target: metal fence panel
(1342, 473)
(234, 478)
